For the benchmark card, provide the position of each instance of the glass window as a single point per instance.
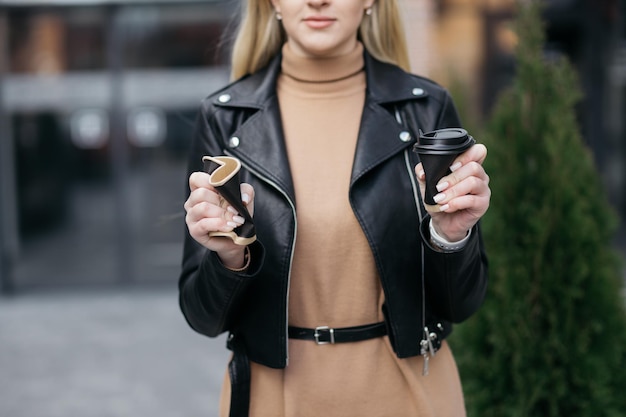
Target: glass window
(102, 102)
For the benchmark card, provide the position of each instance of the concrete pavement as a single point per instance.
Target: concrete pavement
(114, 352)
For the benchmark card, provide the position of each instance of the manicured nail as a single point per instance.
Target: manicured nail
(232, 224)
(245, 198)
(444, 207)
(439, 197)
(232, 210)
(239, 219)
(442, 186)
(455, 166)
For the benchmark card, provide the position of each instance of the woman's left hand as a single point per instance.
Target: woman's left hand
(463, 195)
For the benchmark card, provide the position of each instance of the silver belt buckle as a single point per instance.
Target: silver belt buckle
(317, 335)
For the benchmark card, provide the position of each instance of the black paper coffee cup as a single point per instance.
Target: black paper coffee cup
(437, 150)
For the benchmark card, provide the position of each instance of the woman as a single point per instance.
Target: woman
(339, 306)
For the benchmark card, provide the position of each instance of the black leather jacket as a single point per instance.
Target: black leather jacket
(243, 120)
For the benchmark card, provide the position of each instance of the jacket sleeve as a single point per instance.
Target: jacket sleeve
(456, 282)
(209, 293)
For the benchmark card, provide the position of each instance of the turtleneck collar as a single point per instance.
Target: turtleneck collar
(322, 70)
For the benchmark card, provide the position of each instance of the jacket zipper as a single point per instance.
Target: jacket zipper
(426, 346)
(407, 161)
(293, 247)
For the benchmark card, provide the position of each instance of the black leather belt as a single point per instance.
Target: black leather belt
(239, 366)
(239, 371)
(323, 335)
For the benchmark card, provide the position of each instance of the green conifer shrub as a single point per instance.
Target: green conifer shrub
(550, 339)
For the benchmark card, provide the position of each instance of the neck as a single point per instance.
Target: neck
(322, 69)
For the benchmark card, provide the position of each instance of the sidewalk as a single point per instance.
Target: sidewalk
(105, 353)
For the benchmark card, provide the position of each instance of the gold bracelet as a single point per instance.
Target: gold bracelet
(246, 262)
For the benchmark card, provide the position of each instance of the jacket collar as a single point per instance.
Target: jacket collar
(390, 84)
(386, 84)
(261, 139)
(253, 90)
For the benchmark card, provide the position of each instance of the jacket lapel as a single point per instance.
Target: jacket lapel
(381, 135)
(261, 139)
(262, 147)
(261, 142)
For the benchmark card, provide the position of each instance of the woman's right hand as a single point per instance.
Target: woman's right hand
(208, 212)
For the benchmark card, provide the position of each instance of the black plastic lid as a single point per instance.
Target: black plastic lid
(444, 141)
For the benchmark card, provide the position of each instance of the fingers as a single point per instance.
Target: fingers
(204, 216)
(202, 195)
(208, 212)
(419, 172)
(476, 153)
(467, 180)
(247, 196)
(475, 204)
(466, 187)
(199, 180)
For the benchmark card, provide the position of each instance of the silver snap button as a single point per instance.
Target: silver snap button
(405, 136)
(233, 142)
(224, 98)
(418, 91)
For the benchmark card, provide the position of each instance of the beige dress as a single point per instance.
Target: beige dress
(334, 280)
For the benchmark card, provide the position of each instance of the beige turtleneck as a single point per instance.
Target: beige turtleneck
(334, 281)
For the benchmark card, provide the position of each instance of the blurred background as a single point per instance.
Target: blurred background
(97, 106)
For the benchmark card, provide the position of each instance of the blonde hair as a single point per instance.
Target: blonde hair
(260, 36)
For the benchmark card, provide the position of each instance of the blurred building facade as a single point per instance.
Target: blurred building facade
(98, 106)
(98, 100)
